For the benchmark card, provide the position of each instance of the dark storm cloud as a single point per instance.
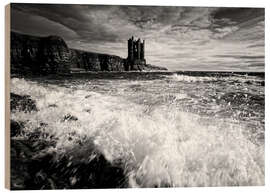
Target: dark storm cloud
(176, 37)
(74, 17)
(235, 15)
(147, 17)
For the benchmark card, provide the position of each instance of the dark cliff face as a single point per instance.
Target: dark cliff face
(39, 55)
(96, 62)
(51, 55)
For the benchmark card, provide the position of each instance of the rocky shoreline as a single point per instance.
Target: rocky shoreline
(50, 55)
(35, 164)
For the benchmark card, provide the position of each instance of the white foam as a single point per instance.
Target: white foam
(234, 77)
(164, 147)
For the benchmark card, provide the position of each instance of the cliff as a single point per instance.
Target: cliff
(91, 61)
(39, 55)
(51, 55)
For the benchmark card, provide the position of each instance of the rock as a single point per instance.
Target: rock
(149, 67)
(69, 117)
(38, 55)
(80, 167)
(55, 55)
(15, 128)
(19, 166)
(24, 163)
(52, 106)
(22, 103)
(91, 61)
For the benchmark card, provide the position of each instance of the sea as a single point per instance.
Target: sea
(177, 129)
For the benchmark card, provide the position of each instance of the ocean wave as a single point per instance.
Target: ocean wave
(233, 78)
(165, 147)
(186, 78)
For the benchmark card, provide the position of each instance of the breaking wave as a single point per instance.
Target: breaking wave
(158, 146)
(186, 78)
(230, 78)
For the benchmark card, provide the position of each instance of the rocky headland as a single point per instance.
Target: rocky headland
(51, 55)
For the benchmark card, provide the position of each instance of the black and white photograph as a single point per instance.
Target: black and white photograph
(136, 96)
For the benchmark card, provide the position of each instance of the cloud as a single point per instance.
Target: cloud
(36, 25)
(241, 56)
(258, 64)
(179, 38)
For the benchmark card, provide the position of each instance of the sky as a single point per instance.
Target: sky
(178, 38)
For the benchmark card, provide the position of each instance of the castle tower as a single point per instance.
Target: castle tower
(131, 48)
(135, 59)
(142, 50)
(138, 43)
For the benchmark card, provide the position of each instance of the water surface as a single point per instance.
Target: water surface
(167, 129)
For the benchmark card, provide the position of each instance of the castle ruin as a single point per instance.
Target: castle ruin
(135, 57)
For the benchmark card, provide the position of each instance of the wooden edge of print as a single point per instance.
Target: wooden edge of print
(7, 96)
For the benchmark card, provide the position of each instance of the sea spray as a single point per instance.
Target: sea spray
(157, 143)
